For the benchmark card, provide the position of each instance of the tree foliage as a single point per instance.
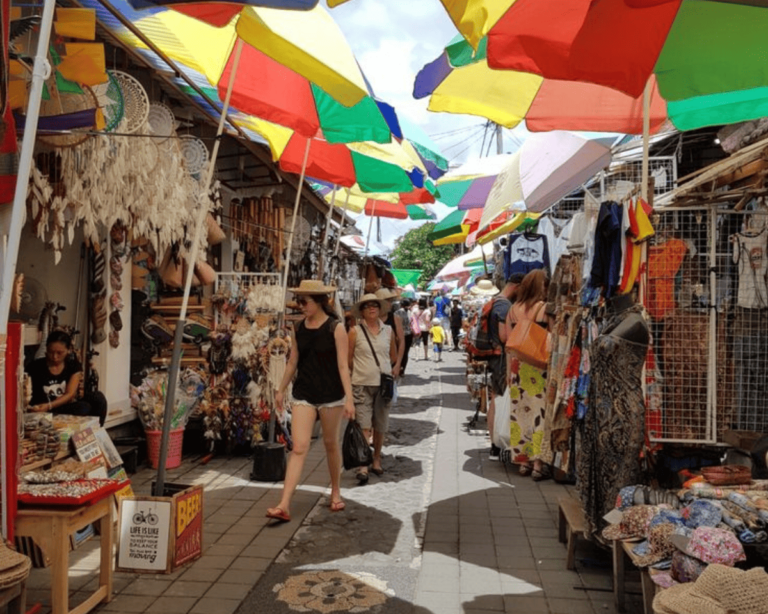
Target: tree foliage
(414, 251)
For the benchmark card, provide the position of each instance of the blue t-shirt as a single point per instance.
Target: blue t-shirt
(440, 303)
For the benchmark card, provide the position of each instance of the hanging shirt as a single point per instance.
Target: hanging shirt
(606, 265)
(749, 254)
(664, 262)
(526, 253)
(557, 244)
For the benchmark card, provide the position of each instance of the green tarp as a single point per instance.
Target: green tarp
(406, 276)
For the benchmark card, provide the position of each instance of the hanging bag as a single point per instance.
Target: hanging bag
(529, 342)
(386, 381)
(355, 451)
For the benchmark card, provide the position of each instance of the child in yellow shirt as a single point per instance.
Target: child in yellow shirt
(437, 333)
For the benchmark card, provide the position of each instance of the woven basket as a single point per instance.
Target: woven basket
(727, 475)
(14, 567)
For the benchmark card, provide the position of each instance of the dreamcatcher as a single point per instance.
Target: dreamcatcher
(110, 99)
(302, 233)
(135, 102)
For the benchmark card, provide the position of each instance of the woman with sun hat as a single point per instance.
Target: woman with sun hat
(319, 358)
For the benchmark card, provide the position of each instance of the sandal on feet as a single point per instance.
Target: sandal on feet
(526, 470)
(277, 513)
(337, 506)
(362, 477)
(541, 474)
(377, 471)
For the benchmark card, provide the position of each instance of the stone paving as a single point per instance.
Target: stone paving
(445, 530)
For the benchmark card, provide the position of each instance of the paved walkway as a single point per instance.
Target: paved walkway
(444, 531)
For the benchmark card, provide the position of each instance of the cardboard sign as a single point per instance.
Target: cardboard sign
(189, 526)
(145, 528)
(160, 534)
(89, 452)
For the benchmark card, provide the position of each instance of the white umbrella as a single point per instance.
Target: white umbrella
(453, 269)
(547, 167)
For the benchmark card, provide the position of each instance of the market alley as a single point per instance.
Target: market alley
(445, 530)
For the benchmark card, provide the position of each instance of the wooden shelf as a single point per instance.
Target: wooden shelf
(44, 462)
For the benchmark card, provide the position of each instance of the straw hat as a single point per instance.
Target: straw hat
(313, 286)
(385, 294)
(719, 590)
(14, 567)
(485, 287)
(367, 298)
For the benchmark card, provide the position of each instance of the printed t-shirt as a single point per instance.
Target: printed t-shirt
(526, 253)
(46, 386)
(664, 262)
(440, 304)
(749, 254)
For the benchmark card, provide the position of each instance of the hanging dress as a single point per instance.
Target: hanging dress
(613, 432)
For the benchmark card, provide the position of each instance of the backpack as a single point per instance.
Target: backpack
(479, 344)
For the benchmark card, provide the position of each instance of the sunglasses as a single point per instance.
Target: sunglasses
(370, 305)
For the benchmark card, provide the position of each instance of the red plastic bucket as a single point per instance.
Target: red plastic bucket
(175, 441)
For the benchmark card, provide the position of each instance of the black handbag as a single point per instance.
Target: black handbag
(355, 451)
(386, 381)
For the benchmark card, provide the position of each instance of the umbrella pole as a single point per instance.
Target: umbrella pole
(272, 412)
(343, 221)
(173, 371)
(323, 257)
(370, 226)
(646, 138)
(40, 73)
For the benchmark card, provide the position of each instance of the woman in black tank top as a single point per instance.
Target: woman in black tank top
(322, 390)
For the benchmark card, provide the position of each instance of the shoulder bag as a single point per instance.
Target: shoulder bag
(529, 342)
(386, 381)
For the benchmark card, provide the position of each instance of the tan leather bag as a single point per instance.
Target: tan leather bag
(171, 269)
(529, 342)
(205, 273)
(216, 234)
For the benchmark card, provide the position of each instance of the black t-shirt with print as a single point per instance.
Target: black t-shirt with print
(46, 386)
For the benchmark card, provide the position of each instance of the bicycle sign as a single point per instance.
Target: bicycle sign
(148, 517)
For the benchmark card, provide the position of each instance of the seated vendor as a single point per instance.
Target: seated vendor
(56, 382)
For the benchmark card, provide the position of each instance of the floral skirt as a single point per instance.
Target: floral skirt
(526, 391)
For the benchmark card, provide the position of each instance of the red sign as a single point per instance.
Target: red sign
(189, 526)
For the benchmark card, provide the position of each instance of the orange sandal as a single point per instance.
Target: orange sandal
(277, 513)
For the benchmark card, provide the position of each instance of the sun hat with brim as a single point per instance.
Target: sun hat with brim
(719, 590)
(634, 523)
(484, 287)
(367, 298)
(312, 286)
(712, 545)
(385, 294)
(660, 546)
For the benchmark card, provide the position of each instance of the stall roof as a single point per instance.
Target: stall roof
(743, 173)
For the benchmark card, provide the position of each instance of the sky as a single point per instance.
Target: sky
(393, 40)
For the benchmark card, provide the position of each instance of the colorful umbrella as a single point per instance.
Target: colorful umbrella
(460, 81)
(454, 227)
(468, 186)
(474, 18)
(547, 167)
(296, 5)
(385, 204)
(308, 41)
(708, 57)
(265, 87)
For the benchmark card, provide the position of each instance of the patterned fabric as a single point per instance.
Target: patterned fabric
(528, 405)
(626, 498)
(702, 513)
(712, 545)
(686, 568)
(634, 523)
(664, 516)
(660, 546)
(610, 437)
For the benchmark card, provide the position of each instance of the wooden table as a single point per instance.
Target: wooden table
(15, 598)
(620, 549)
(50, 528)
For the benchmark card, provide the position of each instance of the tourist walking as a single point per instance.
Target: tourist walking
(425, 323)
(527, 382)
(402, 312)
(323, 389)
(457, 319)
(438, 336)
(371, 352)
